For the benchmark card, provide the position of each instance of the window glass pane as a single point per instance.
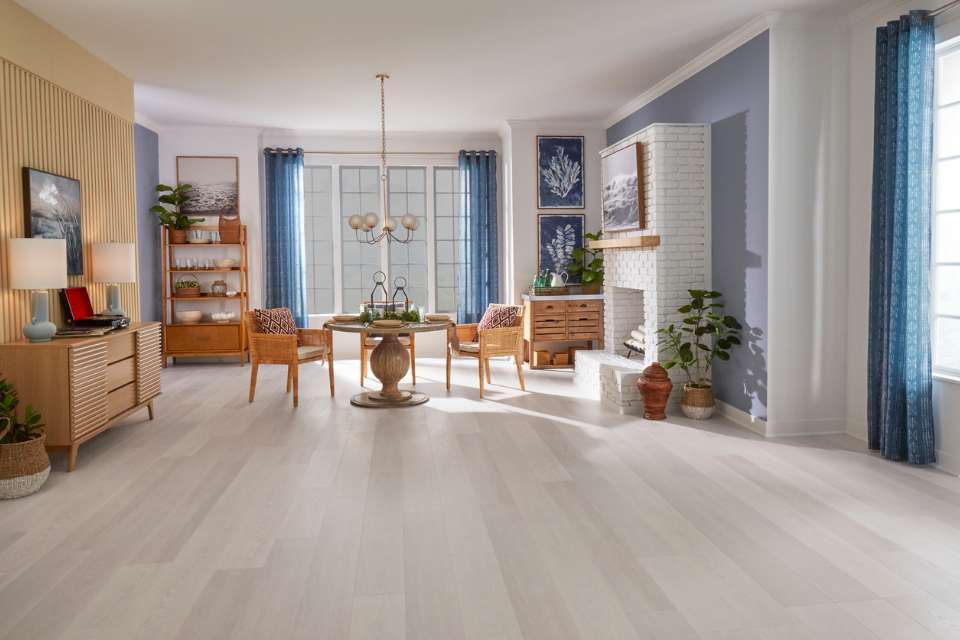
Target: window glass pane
(359, 193)
(948, 290)
(947, 233)
(948, 85)
(948, 184)
(317, 222)
(446, 207)
(948, 132)
(406, 186)
(947, 351)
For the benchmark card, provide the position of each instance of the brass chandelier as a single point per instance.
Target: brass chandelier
(368, 222)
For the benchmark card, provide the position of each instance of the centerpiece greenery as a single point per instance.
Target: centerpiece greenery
(368, 315)
(172, 215)
(587, 264)
(705, 333)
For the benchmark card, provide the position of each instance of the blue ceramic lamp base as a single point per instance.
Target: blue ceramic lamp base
(40, 328)
(113, 301)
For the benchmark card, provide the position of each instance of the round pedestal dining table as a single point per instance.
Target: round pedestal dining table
(389, 362)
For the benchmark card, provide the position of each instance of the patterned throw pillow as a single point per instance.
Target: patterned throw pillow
(498, 316)
(276, 321)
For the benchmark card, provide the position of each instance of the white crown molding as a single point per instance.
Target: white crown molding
(146, 121)
(730, 43)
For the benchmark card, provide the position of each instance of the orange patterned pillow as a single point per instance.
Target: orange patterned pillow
(279, 321)
(498, 316)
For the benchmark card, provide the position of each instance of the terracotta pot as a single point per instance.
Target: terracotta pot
(697, 402)
(655, 387)
(178, 236)
(24, 468)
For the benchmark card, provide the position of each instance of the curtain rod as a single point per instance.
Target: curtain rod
(944, 8)
(389, 153)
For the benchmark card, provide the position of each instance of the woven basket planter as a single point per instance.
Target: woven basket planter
(697, 402)
(24, 467)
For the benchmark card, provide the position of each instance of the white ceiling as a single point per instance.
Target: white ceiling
(457, 65)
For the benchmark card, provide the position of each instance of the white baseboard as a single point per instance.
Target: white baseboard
(798, 428)
(742, 418)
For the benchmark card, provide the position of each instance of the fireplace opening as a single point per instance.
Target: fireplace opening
(626, 330)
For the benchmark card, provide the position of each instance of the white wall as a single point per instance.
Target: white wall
(807, 236)
(520, 195)
(862, 39)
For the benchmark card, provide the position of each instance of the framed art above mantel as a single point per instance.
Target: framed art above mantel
(621, 177)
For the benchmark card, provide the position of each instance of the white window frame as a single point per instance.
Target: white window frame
(949, 47)
(428, 162)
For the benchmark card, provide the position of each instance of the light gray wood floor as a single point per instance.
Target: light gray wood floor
(535, 515)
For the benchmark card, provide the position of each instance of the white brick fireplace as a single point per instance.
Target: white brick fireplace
(644, 287)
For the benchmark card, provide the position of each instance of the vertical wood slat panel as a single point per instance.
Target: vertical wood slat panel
(45, 127)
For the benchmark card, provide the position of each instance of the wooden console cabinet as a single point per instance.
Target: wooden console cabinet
(84, 386)
(556, 323)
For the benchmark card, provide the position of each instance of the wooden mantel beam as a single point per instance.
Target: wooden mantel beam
(632, 242)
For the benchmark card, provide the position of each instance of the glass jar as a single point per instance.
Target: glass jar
(218, 288)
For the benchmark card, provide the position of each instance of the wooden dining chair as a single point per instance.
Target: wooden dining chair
(499, 333)
(275, 339)
(369, 342)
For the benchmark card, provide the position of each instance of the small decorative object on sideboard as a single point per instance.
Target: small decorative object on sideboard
(587, 266)
(705, 333)
(174, 218)
(655, 387)
(24, 465)
(188, 286)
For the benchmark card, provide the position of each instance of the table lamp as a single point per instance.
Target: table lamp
(113, 263)
(38, 264)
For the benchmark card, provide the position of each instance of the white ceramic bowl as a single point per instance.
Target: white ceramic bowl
(226, 263)
(189, 317)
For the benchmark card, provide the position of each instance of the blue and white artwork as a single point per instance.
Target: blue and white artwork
(52, 207)
(559, 234)
(560, 172)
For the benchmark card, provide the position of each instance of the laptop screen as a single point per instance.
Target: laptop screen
(77, 303)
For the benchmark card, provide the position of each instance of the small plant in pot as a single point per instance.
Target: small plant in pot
(172, 215)
(705, 333)
(588, 265)
(188, 286)
(24, 465)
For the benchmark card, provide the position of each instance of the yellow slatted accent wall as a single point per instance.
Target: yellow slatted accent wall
(46, 127)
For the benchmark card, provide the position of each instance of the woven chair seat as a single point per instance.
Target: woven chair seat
(469, 347)
(310, 352)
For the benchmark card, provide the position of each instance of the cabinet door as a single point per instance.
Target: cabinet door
(88, 387)
(149, 362)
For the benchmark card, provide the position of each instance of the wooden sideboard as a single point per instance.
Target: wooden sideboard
(559, 323)
(84, 386)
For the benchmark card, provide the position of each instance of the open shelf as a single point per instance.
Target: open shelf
(207, 296)
(199, 271)
(206, 244)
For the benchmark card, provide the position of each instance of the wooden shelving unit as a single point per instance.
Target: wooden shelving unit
(206, 338)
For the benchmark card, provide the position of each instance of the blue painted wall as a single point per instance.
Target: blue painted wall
(147, 166)
(733, 96)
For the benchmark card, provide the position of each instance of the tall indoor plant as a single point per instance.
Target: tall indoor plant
(588, 264)
(174, 218)
(704, 333)
(24, 465)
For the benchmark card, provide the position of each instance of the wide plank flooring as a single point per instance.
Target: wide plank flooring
(537, 516)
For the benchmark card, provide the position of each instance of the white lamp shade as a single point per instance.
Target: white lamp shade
(37, 263)
(114, 262)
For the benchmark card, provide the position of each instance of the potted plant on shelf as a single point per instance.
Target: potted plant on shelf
(188, 286)
(174, 218)
(24, 465)
(704, 334)
(588, 264)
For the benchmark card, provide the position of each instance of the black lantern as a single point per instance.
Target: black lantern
(378, 279)
(400, 287)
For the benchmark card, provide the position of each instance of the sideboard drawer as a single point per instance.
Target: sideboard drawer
(119, 400)
(584, 305)
(548, 308)
(120, 347)
(194, 338)
(120, 373)
(583, 334)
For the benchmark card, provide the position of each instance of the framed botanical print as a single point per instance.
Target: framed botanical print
(560, 172)
(622, 189)
(215, 182)
(52, 210)
(558, 234)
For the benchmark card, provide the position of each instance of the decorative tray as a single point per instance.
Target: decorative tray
(550, 291)
(388, 323)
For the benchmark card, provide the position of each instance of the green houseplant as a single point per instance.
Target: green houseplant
(24, 465)
(705, 333)
(588, 264)
(170, 211)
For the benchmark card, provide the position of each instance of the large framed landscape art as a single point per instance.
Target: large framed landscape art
(621, 175)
